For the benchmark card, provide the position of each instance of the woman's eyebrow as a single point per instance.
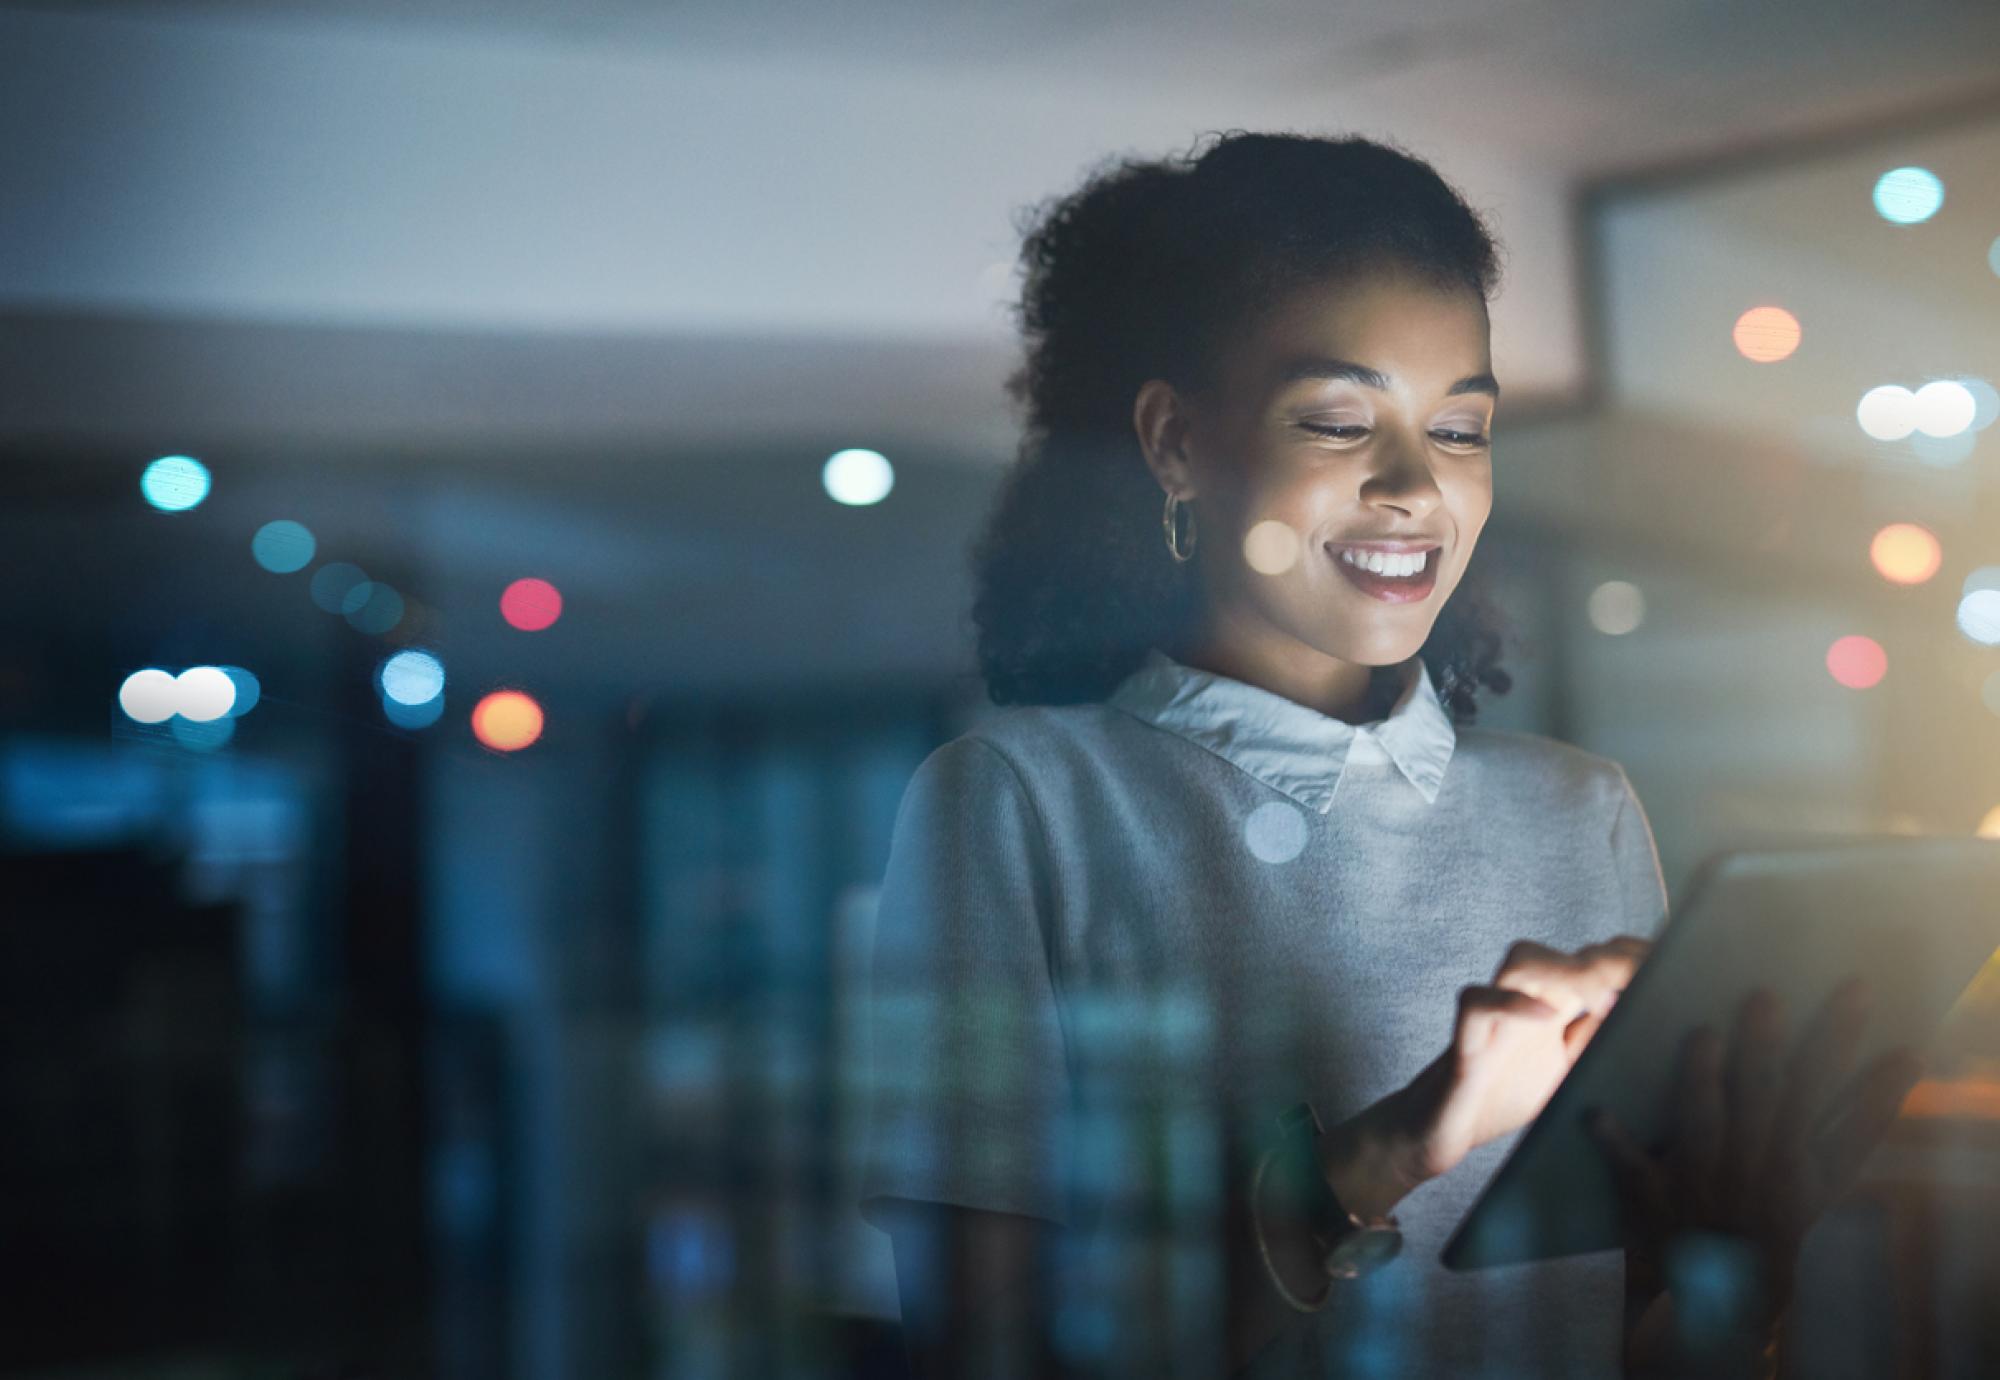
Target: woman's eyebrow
(1345, 370)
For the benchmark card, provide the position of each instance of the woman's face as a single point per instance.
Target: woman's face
(1360, 412)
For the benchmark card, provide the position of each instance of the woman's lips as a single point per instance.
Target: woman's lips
(1391, 590)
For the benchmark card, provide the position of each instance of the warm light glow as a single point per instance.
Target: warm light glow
(1908, 196)
(857, 477)
(174, 483)
(1857, 662)
(507, 721)
(1765, 335)
(1989, 827)
(1616, 608)
(531, 605)
(1271, 547)
(283, 547)
(1944, 407)
(1887, 413)
(1905, 554)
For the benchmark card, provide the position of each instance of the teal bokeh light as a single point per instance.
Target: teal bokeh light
(174, 483)
(284, 546)
(1908, 196)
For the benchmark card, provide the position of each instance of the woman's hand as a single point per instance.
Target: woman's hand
(1752, 1153)
(1514, 1041)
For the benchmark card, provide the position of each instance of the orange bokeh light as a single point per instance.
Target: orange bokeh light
(1765, 335)
(507, 721)
(1857, 662)
(1905, 553)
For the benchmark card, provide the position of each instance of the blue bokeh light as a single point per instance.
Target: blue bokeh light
(372, 607)
(204, 735)
(248, 690)
(411, 678)
(413, 715)
(284, 546)
(174, 483)
(333, 582)
(1908, 196)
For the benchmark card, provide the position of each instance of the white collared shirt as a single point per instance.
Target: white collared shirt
(1115, 938)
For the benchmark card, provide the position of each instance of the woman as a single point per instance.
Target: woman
(1235, 846)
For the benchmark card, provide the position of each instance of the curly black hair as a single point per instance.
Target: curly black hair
(1146, 271)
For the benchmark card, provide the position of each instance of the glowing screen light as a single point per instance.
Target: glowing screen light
(1908, 196)
(1765, 335)
(531, 605)
(857, 477)
(1979, 616)
(1905, 554)
(174, 483)
(1944, 407)
(148, 696)
(507, 721)
(412, 678)
(283, 547)
(1857, 662)
(1616, 608)
(1888, 413)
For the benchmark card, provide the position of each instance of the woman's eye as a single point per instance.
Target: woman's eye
(1339, 432)
(1462, 438)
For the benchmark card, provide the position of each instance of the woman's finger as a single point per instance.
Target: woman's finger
(1862, 1116)
(1587, 980)
(1820, 1063)
(1694, 1153)
(1750, 1090)
(1483, 1011)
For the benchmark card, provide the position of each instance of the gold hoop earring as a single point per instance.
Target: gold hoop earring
(1173, 530)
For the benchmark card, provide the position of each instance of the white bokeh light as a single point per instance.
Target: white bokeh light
(1271, 547)
(1944, 407)
(148, 696)
(412, 678)
(1616, 607)
(204, 693)
(858, 477)
(1887, 413)
(1275, 832)
(1979, 616)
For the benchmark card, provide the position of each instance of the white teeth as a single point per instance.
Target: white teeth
(1391, 564)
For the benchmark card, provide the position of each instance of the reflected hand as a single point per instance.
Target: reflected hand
(1751, 1154)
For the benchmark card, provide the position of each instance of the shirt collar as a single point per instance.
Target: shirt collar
(1283, 743)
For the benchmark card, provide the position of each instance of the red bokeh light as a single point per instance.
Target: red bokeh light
(1857, 662)
(531, 604)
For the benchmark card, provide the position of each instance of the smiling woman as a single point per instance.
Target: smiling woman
(1232, 857)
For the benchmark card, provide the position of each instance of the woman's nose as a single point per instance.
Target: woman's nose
(1403, 478)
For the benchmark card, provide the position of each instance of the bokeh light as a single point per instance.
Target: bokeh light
(1985, 577)
(1985, 401)
(1616, 607)
(174, 483)
(1989, 693)
(1271, 547)
(1857, 662)
(1905, 554)
(1993, 255)
(1765, 335)
(507, 720)
(531, 605)
(1941, 451)
(248, 690)
(857, 477)
(413, 715)
(284, 546)
(411, 678)
(148, 696)
(372, 607)
(1979, 616)
(203, 694)
(333, 582)
(1944, 407)
(1887, 413)
(1989, 826)
(1908, 196)
(1275, 832)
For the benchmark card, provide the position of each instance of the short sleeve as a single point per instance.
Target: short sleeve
(967, 1092)
(1642, 887)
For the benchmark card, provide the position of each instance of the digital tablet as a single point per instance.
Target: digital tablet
(1917, 917)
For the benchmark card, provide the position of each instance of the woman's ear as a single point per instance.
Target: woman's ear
(1162, 418)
